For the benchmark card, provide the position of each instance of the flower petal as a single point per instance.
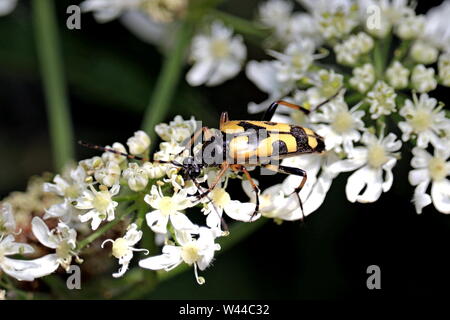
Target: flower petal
(364, 177)
(42, 233)
(440, 193)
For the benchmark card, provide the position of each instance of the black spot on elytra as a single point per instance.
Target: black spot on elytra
(246, 126)
(279, 147)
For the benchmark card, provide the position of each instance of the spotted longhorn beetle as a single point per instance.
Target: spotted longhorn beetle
(248, 143)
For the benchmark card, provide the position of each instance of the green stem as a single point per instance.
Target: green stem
(168, 79)
(240, 25)
(378, 60)
(83, 243)
(46, 33)
(125, 198)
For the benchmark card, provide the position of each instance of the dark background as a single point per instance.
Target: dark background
(110, 75)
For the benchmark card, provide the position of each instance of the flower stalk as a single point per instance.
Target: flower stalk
(51, 65)
(168, 79)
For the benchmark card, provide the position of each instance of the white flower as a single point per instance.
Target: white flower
(425, 119)
(350, 50)
(66, 212)
(444, 68)
(92, 164)
(313, 193)
(139, 143)
(423, 79)
(410, 27)
(62, 239)
(7, 6)
(275, 14)
(177, 130)
(217, 56)
(192, 251)
(263, 75)
(437, 28)
(335, 18)
(328, 82)
(221, 202)
(381, 99)
(165, 10)
(99, 203)
(397, 75)
(107, 10)
(122, 248)
(431, 169)
(423, 52)
(114, 157)
(301, 26)
(7, 222)
(108, 175)
(19, 269)
(374, 163)
(136, 176)
(296, 60)
(68, 187)
(168, 208)
(338, 124)
(363, 77)
(154, 170)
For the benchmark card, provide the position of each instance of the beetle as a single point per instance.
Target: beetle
(247, 143)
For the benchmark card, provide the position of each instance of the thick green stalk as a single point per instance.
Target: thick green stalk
(46, 34)
(168, 79)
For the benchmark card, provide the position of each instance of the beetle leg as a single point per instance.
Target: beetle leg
(254, 187)
(222, 220)
(294, 171)
(223, 169)
(273, 107)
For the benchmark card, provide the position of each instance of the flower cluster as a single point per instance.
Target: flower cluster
(334, 60)
(359, 125)
(116, 186)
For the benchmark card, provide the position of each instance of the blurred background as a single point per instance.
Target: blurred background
(110, 76)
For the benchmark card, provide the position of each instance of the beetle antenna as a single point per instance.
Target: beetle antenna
(327, 100)
(111, 150)
(129, 156)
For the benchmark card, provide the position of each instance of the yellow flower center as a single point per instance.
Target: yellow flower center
(343, 122)
(220, 48)
(376, 156)
(189, 253)
(220, 197)
(71, 191)
(120, 248)
(421, 121)
(167, 206)
(299, 61)
(101, 201)
(437, 169)
(63, 250)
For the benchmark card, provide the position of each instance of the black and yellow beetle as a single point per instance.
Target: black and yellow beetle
(239, 144)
